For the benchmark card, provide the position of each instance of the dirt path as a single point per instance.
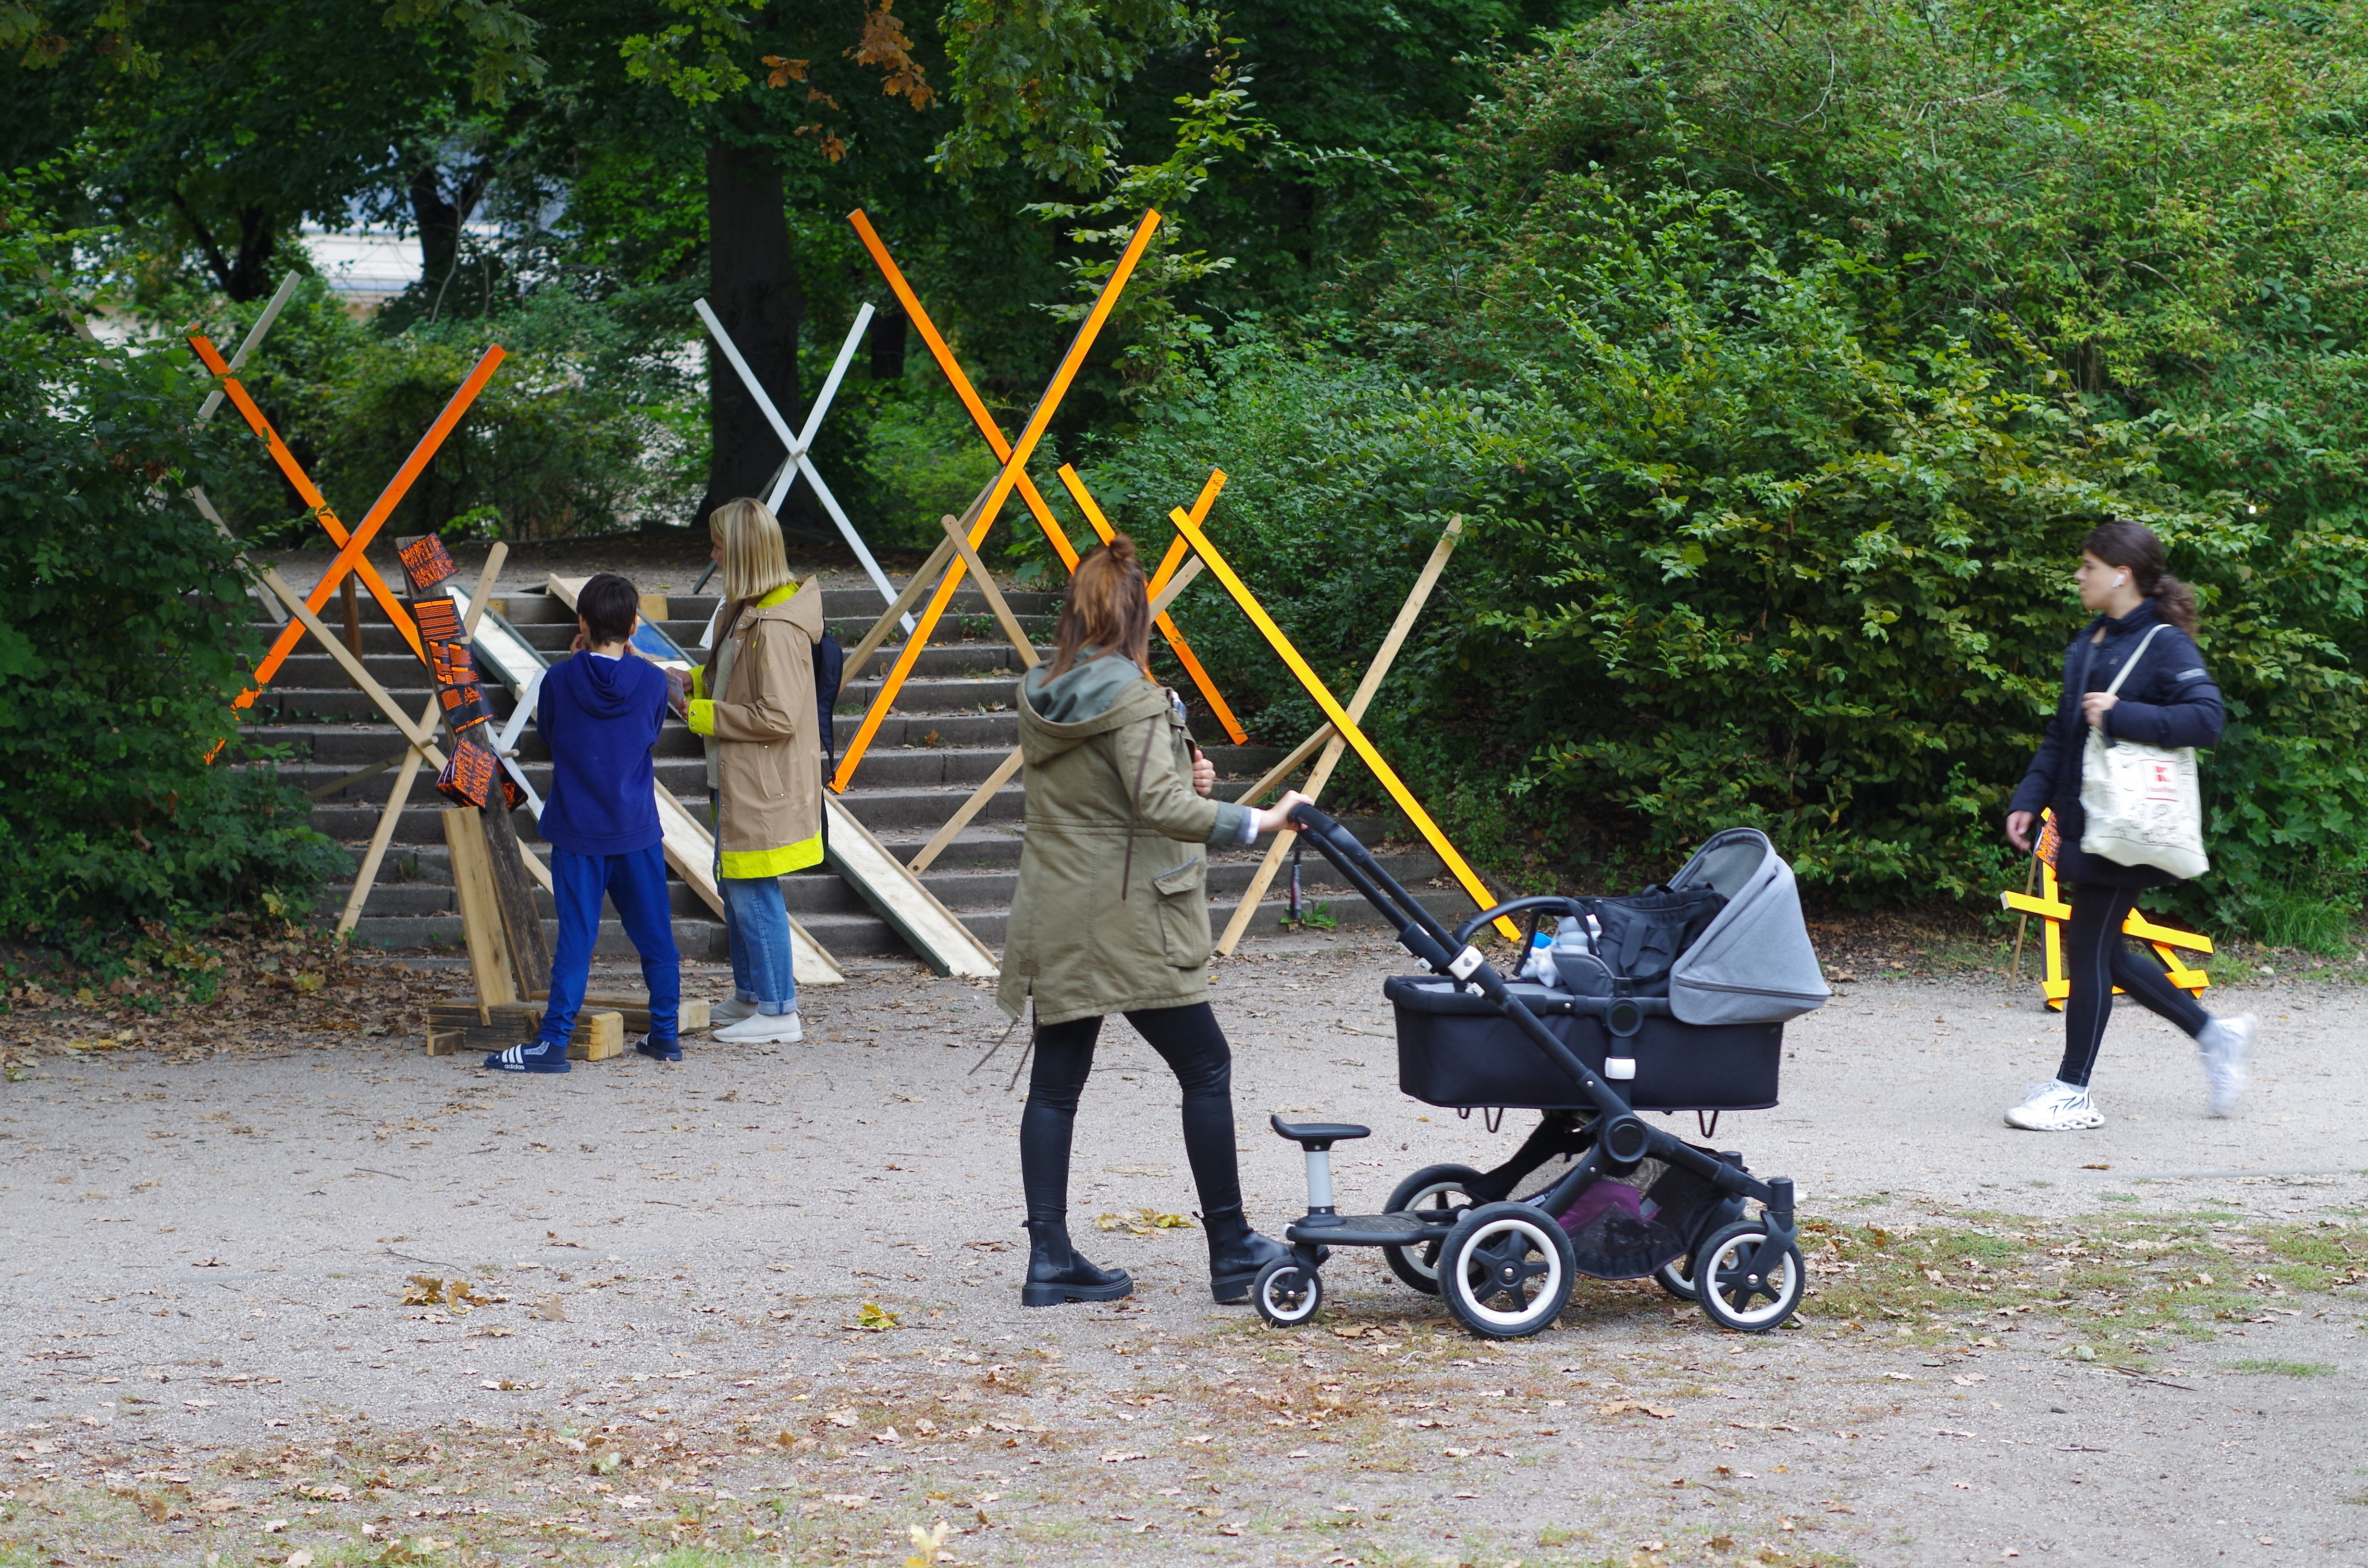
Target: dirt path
(208, 1360)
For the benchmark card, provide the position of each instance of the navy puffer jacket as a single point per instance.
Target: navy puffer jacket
(2169, 699)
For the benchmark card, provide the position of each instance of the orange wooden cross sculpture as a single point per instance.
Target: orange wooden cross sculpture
(349, 557)
(1029, 495)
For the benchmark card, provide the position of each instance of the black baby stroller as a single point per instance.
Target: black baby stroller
(1673, 1000)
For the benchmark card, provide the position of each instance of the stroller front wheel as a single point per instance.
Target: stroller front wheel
(1287, 1293)
(1433, 1191)
(1745, 1281)
(1506, 1271)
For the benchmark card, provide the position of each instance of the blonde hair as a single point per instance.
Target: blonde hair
(755, 562)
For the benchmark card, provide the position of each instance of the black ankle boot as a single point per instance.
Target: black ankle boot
(1057, 1272)
(1236, 1253)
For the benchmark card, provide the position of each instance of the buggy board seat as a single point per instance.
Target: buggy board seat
(1313, 1135)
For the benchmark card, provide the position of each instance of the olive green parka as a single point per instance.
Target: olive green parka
(1094, 929)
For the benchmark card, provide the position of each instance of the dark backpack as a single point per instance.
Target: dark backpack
(829, 664)
(1643, 934)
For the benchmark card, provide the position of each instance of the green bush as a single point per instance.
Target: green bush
(1779, 363)
(122, 638)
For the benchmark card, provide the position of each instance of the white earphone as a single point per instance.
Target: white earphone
(2120, 580)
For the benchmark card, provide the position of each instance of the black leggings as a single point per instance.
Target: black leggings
(2096, 959)
(1195, 1050)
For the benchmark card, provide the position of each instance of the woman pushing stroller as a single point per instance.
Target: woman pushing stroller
(1111, 916)
(2135, 674)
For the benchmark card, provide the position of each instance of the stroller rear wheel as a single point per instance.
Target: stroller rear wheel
(1287, 1293)
(1506, 1271)
(1677, 1277)
(1431, 1191)
(1747, 1283)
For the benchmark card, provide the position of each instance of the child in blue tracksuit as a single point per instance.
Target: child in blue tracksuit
(599, 713)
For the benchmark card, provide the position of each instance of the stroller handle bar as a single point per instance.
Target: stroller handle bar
(1549, 901)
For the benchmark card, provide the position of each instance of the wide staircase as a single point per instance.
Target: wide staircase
(951, 724)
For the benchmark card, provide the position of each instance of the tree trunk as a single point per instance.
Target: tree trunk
(888, 332)
(440, 223)
(754, 286)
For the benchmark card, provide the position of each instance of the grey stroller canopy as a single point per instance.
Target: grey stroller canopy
(1753, 964)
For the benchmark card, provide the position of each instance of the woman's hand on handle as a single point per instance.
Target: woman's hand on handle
(1277, 817)
(2018, 829)
(2096, 705)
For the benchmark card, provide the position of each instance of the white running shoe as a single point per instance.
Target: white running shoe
(721, 1013)
(2056, 1106)
(763, 1028)
(2226, 1049)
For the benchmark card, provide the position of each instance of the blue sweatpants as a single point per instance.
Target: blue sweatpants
(636, 884)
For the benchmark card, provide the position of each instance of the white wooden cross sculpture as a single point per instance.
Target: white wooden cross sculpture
(801, 442)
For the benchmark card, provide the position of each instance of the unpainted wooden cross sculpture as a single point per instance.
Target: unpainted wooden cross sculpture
(1335, 747)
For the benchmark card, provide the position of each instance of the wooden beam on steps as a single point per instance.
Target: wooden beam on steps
(922, 582)
(896, 895)
(690, 850)
(992, 594)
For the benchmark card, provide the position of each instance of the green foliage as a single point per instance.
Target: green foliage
(122, 640)
(1778, 364)
(581, 431)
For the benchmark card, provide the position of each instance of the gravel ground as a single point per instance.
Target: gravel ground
(684, 1280)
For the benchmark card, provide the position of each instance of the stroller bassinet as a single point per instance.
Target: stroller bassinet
(1704, 1030)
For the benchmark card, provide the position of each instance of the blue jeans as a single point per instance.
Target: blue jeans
(636, 884)
(756, 923)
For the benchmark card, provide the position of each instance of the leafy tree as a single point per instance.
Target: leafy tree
(122, 638)
(1779, 360)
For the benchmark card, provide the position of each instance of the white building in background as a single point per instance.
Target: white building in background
(365, 267)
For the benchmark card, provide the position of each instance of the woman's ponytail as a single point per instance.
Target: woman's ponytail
(2134, 548)
(1108, 608)
(2175, 602)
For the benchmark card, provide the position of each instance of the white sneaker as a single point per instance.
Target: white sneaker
(2056, 1106)
(2226, 1049)
(763, 1028)
(721, 1013)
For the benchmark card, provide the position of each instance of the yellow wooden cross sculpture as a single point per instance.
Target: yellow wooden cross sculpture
(2167, 942)
(1345, 727)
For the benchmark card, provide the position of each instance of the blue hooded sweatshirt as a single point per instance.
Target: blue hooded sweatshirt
(600, 718)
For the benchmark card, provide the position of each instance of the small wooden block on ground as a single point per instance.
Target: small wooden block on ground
(452, 1029)
(635, 1010)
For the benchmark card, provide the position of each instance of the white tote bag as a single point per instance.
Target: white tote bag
(2142, 803)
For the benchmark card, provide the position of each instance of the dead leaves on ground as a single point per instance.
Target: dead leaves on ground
(426, 1290)
(1142, 1222)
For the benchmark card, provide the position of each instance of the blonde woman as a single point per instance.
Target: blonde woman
(754, 700)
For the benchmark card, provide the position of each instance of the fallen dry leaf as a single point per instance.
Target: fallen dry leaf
(1627, 1406)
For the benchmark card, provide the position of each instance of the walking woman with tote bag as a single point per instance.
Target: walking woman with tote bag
(2134, 690)
(1111, 916)
(754, 700)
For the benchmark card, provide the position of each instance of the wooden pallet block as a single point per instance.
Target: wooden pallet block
(635, 1010)
(453, 1029)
